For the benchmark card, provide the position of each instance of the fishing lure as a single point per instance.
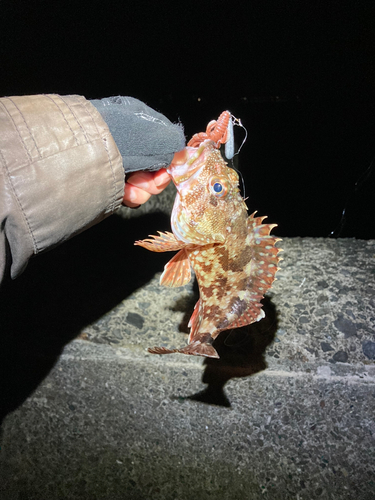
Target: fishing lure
(233, 255)
(216, 131)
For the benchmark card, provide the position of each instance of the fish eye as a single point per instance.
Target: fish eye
(219, 187)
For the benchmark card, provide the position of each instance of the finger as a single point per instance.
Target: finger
(151, 182)
(135, 196)
(162, 178)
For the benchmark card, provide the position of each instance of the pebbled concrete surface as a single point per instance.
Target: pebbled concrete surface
(287, 412)
(121, 424)
(324, 296)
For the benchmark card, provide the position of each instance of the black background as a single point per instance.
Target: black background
(300, 75)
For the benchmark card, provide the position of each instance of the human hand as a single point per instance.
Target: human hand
(140, 185)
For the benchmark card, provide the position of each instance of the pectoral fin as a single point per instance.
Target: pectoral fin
(165, 242)
(177, 271)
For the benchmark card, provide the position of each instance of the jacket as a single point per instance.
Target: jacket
(60, 173)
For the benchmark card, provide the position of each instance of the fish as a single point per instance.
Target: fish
(233, 254)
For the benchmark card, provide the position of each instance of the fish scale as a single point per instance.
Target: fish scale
(233, 255)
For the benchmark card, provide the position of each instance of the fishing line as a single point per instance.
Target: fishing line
(238, 123)
(247, 333)
(241, 177)
(246, 338)
(229, 147)
(357, 185)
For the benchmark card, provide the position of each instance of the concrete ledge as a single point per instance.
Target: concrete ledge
(287, 412)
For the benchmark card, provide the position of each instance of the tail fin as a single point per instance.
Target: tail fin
(195, 349)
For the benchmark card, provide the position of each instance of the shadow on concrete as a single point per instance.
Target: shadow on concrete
(63, 291)
(241, 352)
(186, 305)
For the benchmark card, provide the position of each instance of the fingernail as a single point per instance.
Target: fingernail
(131, 196)
(161, 179)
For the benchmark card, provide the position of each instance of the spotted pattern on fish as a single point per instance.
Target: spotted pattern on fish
(233, 255)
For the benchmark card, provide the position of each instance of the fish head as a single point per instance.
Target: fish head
(208, 198)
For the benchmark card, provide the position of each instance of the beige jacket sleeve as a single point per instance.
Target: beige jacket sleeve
(60, 173)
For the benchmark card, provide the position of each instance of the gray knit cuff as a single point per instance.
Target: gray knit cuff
(146, 139)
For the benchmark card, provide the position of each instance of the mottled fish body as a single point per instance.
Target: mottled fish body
(233, 255)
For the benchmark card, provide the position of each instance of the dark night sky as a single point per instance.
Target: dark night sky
(300, 75)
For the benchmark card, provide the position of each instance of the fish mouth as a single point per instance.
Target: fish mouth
(186, 163)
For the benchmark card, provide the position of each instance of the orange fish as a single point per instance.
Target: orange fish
(233, 255)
